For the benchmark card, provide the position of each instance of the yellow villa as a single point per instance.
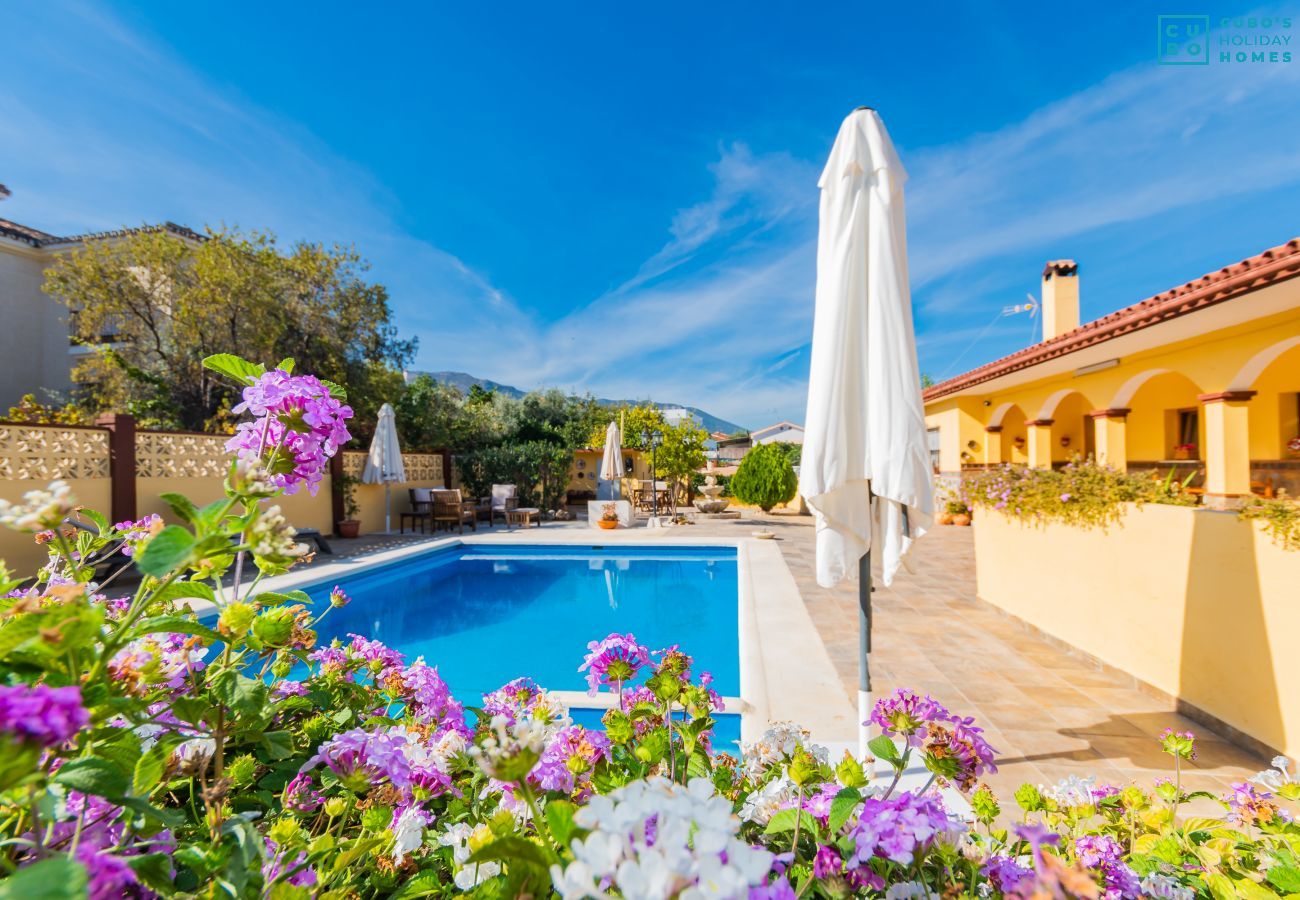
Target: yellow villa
(1204, 376)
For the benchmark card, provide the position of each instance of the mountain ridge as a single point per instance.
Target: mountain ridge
(464, 381)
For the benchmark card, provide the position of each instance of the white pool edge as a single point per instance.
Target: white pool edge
(786, 674)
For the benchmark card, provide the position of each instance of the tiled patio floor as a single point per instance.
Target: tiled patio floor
(1049, 713)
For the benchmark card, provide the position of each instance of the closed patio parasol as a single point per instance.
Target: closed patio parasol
(384, 462)
(865, 469)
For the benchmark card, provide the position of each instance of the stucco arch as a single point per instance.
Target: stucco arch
(999, 414)
(1124, 396)
(1052, 403)
(1255, 366)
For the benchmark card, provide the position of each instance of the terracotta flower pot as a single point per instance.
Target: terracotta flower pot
(961, 519)
(348, 528)
(943, 518)
(607, 524)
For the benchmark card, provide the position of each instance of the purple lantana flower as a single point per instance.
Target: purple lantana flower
(613, 662)
(135, 534)
(1103, 854)
(906, 714)
(896, 828)
(1006, 874)
(297, 427)
(41, 715)
(568, 760)
(300, 796)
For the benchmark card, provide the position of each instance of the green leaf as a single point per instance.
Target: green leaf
(56, 878)
(274, 598)
(245, 696)
(186, 590)
(512, 849)
(98, 519)
(286, 365)
(154, 869)
(18, 631)
(842, 808)
(426, 884)
(1285, 878)
(167, 550)
(182, 506)
(174, 625)
(92, 775)
(883, 747)
(699, 766)
(785, 819)
(149, 770)
(559, 817)
(277, 744)
(235, 367)
(336, 391)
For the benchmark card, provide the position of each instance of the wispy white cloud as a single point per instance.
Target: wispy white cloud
(719, 314)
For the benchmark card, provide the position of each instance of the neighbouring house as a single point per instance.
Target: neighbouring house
(35, 342)
(1203, 377)
(676, 415)
(733, 449)
(781, 432)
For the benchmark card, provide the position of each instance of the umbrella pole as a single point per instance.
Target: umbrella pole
(388, 507)
(864, 653)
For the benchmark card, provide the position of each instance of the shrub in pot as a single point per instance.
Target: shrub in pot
(765, 478)
(349, 526)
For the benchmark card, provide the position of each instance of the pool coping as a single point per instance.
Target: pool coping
(786, 673)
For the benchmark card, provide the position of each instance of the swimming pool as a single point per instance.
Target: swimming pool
(487, 613)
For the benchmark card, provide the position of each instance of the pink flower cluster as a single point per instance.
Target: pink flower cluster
(613, 662)
(364, 759)
(297, 427)
(568, 760)
(41, 715)
(165, 659)
(907, 715)
(513, 700)
(135, 534)
(898, 827)
(1103, 854)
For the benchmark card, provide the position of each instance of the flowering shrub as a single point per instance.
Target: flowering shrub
(1080, 493)
(151, 751)
(1281, 518)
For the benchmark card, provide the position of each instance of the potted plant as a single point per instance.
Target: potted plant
(1184, 451)
(958, 512)
(608, 516)
(349, 526)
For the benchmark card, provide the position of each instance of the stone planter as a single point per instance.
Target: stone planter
(348, 528)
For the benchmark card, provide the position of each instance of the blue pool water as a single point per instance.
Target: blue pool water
(484, 614)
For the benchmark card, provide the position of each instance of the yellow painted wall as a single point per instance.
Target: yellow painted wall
(302, 510)
(1211, 363)
(961, 423)
(17, 549)
(1194, 602)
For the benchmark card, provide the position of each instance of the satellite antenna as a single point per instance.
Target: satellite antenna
(1030, 306)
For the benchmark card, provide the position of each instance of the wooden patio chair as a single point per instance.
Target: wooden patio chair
(450, 509)
(421, 510)
(505, 497)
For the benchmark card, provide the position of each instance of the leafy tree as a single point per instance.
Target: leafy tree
(681, 453)
(153, 304)
(765, 478)
(432, 415)
(792, 451)
(54, 412)
(635, 420)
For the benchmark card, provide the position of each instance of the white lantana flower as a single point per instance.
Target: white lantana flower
(408, 831)
(693, 850)
(768, 800)
(905, 889)
(777, 745)
(509, 752)
(1157, 885)
(467, 875)
(1273, 779)
(39, 509)
(1071, 790)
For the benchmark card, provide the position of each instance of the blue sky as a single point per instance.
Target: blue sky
(621, 198)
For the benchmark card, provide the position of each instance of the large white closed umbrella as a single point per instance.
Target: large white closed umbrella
(865, 469)
(384, 462)
(611, 462)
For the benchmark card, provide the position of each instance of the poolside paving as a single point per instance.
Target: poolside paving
(1049, 712)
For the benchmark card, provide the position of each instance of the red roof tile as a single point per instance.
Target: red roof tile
(1270, 267)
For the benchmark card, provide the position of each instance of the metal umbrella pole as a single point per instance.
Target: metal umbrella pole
(864, 651)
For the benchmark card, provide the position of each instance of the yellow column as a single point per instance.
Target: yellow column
(1040, 443)
(1227, 445)
(993, 445)
(1108, 427)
